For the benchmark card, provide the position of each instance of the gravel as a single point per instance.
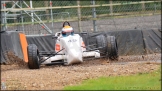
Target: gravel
(55, 77)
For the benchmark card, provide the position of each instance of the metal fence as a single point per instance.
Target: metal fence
(44, 17)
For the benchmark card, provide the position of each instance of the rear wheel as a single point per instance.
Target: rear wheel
(33, 57)
(101, 44)
(112, 48)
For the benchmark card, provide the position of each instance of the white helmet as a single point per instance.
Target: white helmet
(67, 30)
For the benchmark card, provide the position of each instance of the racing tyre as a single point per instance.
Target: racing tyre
(101, 44)
(112, 48)
(33, 57)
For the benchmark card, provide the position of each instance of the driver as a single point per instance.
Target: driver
(67, 30)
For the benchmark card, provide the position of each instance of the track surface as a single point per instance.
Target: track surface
(55, 77)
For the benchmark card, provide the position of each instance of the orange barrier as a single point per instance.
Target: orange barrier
(24, 45)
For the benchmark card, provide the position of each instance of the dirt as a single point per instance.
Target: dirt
(11, 59)
(55, 77)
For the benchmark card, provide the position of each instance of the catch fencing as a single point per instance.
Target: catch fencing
(46, 17)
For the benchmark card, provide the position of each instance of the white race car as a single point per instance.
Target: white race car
(70, 48)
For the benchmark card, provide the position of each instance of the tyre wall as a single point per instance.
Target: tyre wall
(13, 47)
(44, 43)
(152, 40)
(130, 42)
(136, 42)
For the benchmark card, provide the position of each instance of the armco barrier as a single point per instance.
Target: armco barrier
(130, 42)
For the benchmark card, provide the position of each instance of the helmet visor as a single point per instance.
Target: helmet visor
(67, 33)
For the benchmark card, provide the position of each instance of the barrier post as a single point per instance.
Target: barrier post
(31, 6)
(51, 16)
(94, 16)
(79, 16)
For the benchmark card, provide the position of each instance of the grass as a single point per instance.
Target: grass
(141, 81)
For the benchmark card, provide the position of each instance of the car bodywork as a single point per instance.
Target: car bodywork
(72, 49)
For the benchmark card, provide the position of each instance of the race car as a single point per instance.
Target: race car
(70, 49)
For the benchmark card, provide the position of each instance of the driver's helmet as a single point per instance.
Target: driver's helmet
(67, 30)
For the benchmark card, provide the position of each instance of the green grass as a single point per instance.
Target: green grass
(144, 81)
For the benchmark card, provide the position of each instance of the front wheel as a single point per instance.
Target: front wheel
(33, 57)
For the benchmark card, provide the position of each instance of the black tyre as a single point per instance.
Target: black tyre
(101, 44)
(33, 57)
(112, 48)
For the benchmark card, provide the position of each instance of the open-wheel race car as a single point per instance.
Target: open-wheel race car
(70, 49)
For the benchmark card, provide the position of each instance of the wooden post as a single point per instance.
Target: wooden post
(47, 11)
(79, 16)
(143, 6)
(111, 7)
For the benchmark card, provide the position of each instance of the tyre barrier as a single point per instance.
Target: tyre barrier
(13, 47)
(135, 42)
(129, 42)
